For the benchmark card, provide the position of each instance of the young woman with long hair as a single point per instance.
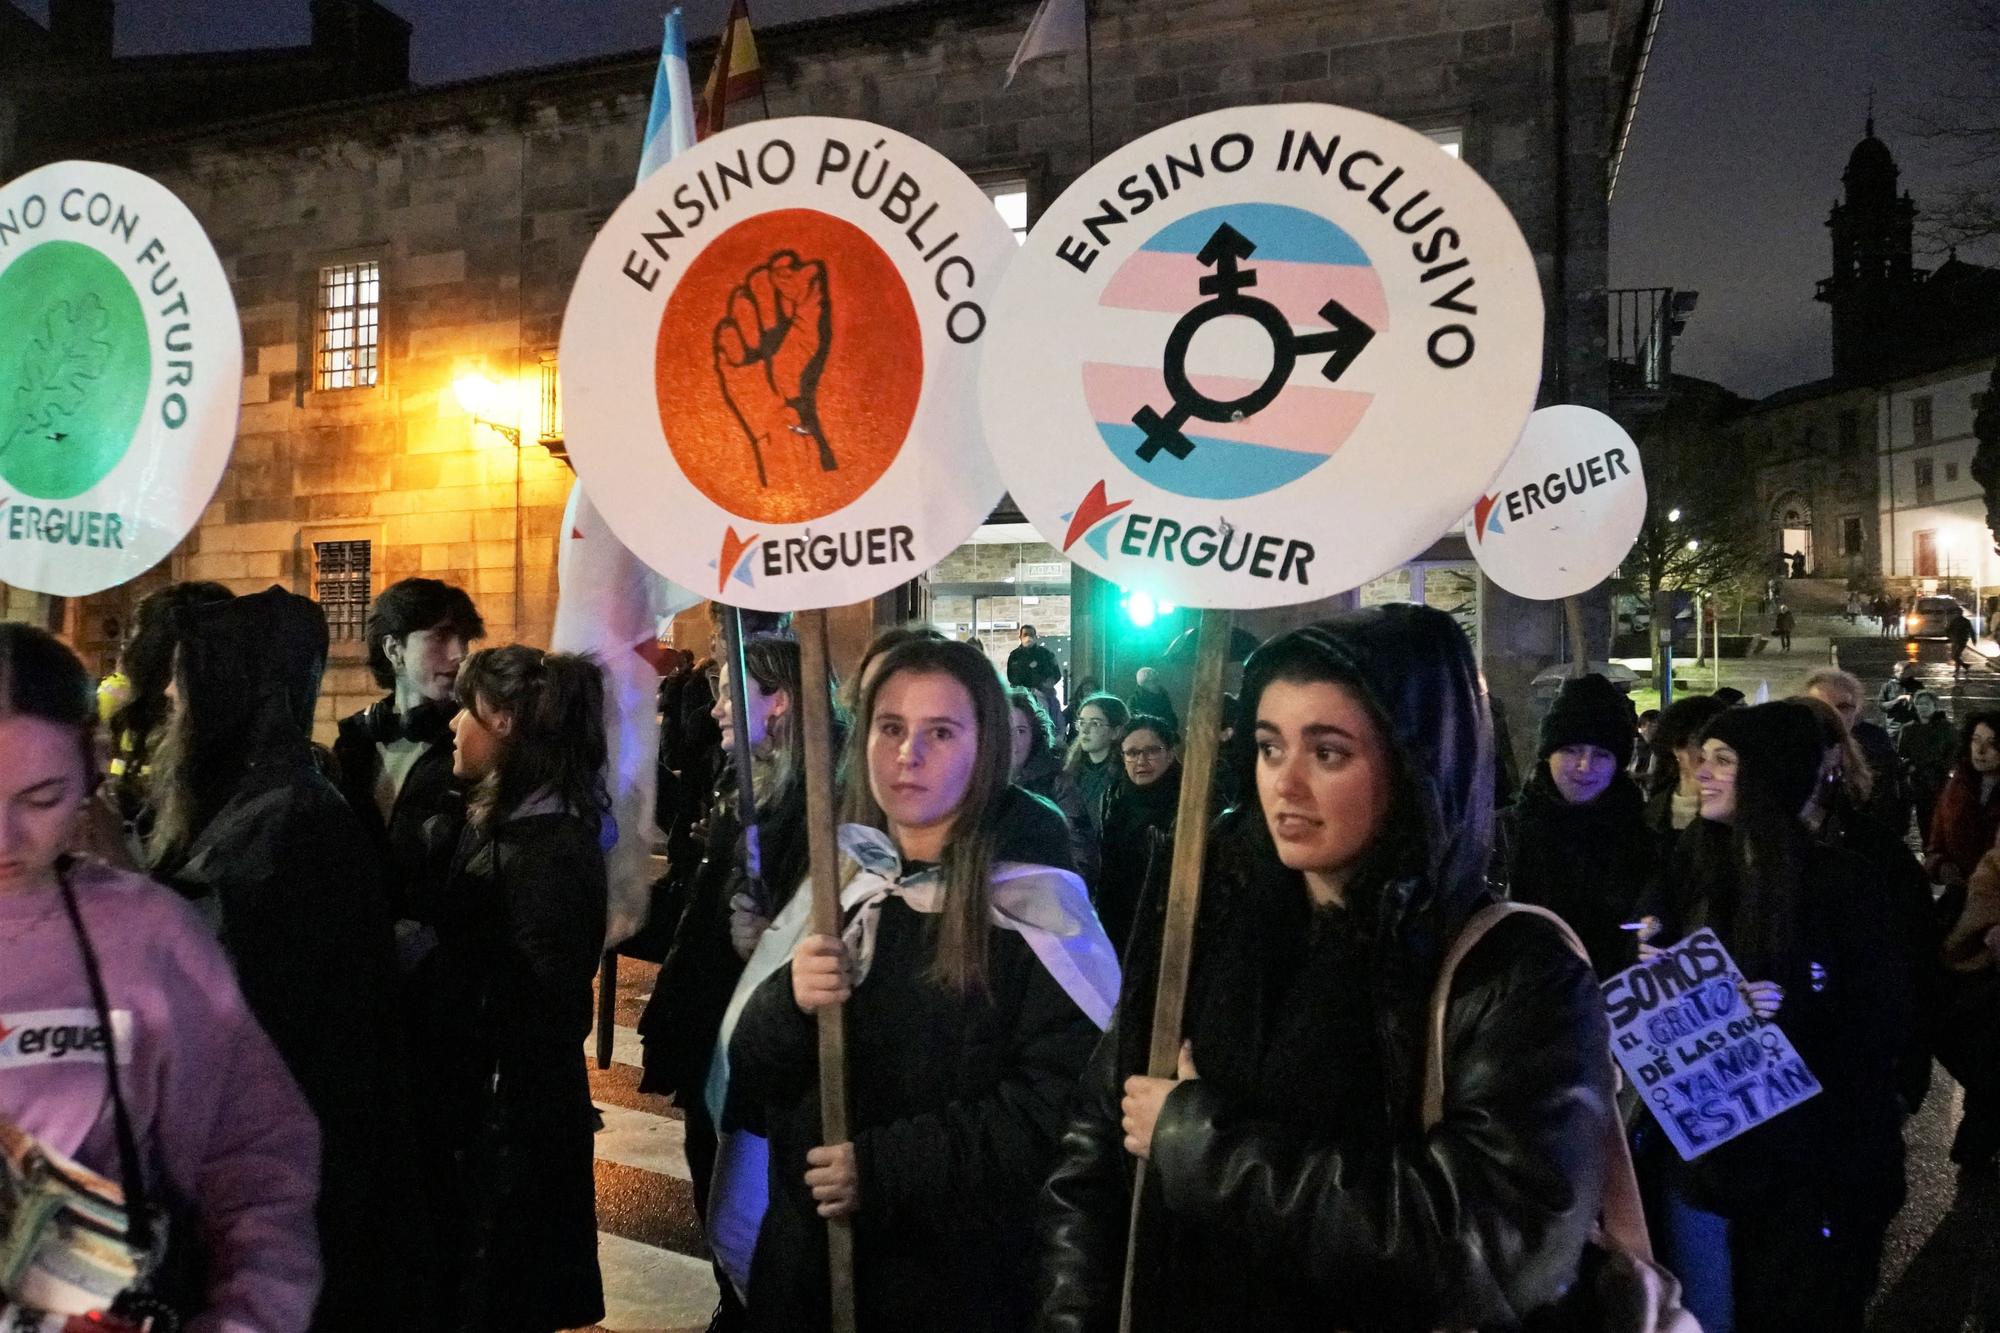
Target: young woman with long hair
(1038, 768)
(1966, 819)
(521, 928)
(1093, 760)
(265, 846)
(724, 916)
(223, 1139)
(1137, 821)
(1782, 1228)
(140, 721)
(975, 980)
(1293, 1183)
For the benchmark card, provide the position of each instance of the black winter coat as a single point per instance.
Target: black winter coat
(1291, 1187)
(1848, 1008)
(1044, 777)
(428, 790)
(1589, 864)
(1137, 825)
(696, 981)
(295, 885)
(956, 1106)
(522, 924)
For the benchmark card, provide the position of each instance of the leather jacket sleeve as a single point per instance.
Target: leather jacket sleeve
(1475, 1223)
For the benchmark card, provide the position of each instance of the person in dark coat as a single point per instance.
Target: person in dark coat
(1781, 1229)
(1137, 818)
(1673, 800)
(963, 1046)
(140, 722)
(1958, 634)
(1291, 1186)
(728, 908)
(521, 928)
(1037, 767)
(1150, 697)
(1967, 819)
(1888, 801)
(265, 846)
(395, 754)
(1095, 761)
(1576, 841)
(1927, 747)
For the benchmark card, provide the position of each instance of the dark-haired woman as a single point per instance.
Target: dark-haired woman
(521, 926)
(1294, 1185)
(1781, 1229)
(726, 914)
(223, 1137)
(139, 722)
(1967, 818)
(1136, 820)
(1673, 800)
(1094, 762)
(1038, 768)
(265, 846)
(975, 981)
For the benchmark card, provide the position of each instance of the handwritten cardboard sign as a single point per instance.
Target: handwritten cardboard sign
(1706, 1066)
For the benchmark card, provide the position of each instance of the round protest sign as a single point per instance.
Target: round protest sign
(121, 366)
(1564, 510)
(1262, 355)
(769, 363)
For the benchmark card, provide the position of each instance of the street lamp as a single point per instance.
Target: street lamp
(485, 400)
(1673, 516)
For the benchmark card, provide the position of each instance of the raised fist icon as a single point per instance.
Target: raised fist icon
(769, 351)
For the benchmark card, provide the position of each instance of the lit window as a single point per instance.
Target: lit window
(1011, 198)
(1452, 140)
(551, 414)
(349, 335)
(341, 583)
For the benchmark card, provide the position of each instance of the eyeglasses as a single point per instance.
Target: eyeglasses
(1093, 724)
(1146, 752)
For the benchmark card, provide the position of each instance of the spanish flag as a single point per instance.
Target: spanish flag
(735, 74)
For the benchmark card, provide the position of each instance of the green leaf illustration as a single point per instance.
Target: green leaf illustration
(66, 357)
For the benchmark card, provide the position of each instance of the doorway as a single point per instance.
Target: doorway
(1924, 553)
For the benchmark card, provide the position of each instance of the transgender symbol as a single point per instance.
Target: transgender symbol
(1225, 250)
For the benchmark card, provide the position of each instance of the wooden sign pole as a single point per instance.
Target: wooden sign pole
(1204, 738)
(739, 712)
(816, 715)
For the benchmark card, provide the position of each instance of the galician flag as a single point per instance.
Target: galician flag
(612, 604)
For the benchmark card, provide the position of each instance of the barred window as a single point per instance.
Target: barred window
(341, 581)
(349, 341)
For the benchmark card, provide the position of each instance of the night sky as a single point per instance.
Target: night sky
(1749, 111)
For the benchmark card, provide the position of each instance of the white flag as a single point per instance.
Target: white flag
(1058, 27)
(611, 603)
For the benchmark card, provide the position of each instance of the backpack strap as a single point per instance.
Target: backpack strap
(1623, 1219)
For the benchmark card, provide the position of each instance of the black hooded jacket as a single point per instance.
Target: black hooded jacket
(1291, 1186)
(1589, 864)
(429, 789)
(295, 886)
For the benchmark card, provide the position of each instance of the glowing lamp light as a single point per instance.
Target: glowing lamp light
(1673, 516)
(1695, 545)
(485, 400)
(1139, 609)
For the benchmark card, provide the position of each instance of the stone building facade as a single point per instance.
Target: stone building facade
(1814, 448)
(469, 208)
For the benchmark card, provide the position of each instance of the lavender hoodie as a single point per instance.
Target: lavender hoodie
(225, 1135)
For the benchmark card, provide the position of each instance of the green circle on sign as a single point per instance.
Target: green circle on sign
(75, 369)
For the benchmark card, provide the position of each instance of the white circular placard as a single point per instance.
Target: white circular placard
(1566, 508)
(1262, 355)
(121, 367)
(770, 360)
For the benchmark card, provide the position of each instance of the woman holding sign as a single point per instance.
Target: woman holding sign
(1296, 1186)
(975, 979)
(1782, 1227)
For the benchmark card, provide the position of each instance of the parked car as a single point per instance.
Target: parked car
(1930, 617)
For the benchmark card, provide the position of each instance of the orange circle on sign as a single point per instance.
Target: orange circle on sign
(788, 366)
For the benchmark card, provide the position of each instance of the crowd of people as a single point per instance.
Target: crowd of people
(328, 1005)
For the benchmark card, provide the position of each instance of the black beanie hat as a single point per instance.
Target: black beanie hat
(1590, 711)
(1778, 747)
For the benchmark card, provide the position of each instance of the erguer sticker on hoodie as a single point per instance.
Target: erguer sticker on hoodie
(61, 1036)
(1259, 356)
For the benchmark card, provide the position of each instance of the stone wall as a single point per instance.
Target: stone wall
(479, 200)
